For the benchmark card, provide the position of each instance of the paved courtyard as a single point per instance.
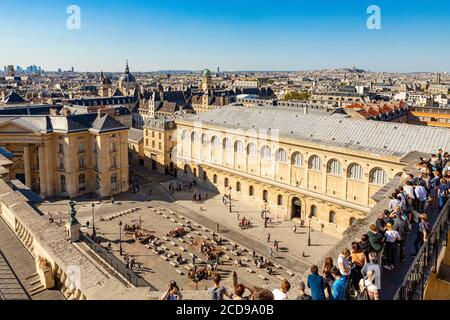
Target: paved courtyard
(160, 211)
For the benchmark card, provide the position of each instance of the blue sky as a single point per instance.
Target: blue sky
(235, 35)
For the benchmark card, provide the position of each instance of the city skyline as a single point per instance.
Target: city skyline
(235, 37)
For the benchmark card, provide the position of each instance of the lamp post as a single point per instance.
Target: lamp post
(93, 220)
(120, 237)
(309, 231)
(265, 213)
(229, 197)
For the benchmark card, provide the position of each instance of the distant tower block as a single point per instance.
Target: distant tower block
(218, 70)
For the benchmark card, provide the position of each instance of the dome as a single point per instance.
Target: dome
(127, 77)
(206, 73)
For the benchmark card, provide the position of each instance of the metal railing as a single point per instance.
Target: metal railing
(426, 259)
(116, 264)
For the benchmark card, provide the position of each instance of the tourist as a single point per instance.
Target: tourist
(392, 237)
(422, 232)
(340, 284)
(239, 290)
(302, 294)
(443, 191)
(367, 286)
(394, 201)
(217, 291)
(275, 245)
(326, 272)
(375, 267)
(316, 283)
(295, 228)
(281, 294)
(270, 252)
(364, 244)
(262, 294)
(268, 237)
(376, 240)
(381, 222)
(401, 226)
(358, 260)
(421, 196)
(172, 292)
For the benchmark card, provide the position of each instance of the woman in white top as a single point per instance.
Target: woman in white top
(367, 284)
(343, 263)
(391, 237)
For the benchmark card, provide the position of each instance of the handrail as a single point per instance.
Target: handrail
(426, 259)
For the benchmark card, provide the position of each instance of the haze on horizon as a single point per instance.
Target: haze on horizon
(292, 35)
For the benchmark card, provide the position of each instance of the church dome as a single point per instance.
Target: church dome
(206, 73)
(127, 77)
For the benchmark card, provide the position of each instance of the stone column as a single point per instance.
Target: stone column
(27, 165)
(42, 171)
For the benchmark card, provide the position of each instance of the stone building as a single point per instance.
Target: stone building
(159, 143)
(325, 167)
(57, 155)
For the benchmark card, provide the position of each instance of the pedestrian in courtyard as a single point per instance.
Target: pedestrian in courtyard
(253, 254)
(321, 227)
(268, 237)
(217, 227)
(193, 259)
(275, 245)
(295, 228)
(270, 252)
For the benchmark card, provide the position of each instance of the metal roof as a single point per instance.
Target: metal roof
(386, 138)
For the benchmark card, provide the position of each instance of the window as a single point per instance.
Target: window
(205, 140)
(194, 172)
(332, 217)
(238, 186)
(215, 178)
(251, 149)
(195, 137)
(60, 148)
(61, 163)
(297, 159)
(226, 183)
(315, 163)
(265, 195)
(205, 176)
(81, 162)
(113, 160)
(280, 200)
(159, 135)
(112, 147)
(251, 191)
(215, 142)
(63, 183)
(114, 181)
(239, 147)
(81, 182)
(184, 135)
(80, 147)
(313, 213)
(281, 155)
(334, 167)
(153, 134)
(159, 145)
(378, 177)
(227, 144)
(355, 172)
(265, 152)
(153, 144)
(146, 142)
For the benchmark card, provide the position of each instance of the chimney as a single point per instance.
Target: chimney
(305, 109)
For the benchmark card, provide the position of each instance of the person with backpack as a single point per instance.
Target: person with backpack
(422, 233)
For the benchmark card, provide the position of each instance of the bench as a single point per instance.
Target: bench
(249, 270)
(173, 243)
(263, 277)
(173, 264)
(182, 249)
(289, 272)
(280, 277)
(165, 238)
(187, 267)
(180, 272)
(173, 220)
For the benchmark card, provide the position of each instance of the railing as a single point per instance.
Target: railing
(426, 259)
(117, 264)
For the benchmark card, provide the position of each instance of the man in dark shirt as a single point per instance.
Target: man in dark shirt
(401, 226)
(376, 239)
(302, 295)
(316, 283)
(381, 222)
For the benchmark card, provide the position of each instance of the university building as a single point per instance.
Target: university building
(325, 167)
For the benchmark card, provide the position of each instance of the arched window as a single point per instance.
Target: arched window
(378, 176)
(280, 200)
(297, 159)
(215, 142)
(194, 172)
(251, 191)
(238, 186)
(315, 163)
(195, 137)
(186, 168)
(251, 149)
(205, 139)
(227, 144)
(313, 213)
(185, 135)
(215, 178)
(281, 155)
(265, 152)
(265, 195)
(63, 183)
(226, 183)
(205, 175)
(355, 172)
(239, 147)
(334, 167)
(332, 218)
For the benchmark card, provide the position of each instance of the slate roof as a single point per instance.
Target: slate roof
(107, 123)
(13, 98)
(135, 135)
(383, 138)
(29, 110)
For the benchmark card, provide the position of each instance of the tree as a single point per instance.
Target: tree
(295, 95)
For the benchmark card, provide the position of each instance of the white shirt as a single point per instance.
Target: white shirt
(279, 295)
(421, 193)
(391, 235)
(409, 190)
(346, 265)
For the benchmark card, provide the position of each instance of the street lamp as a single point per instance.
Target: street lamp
(265, 213)
(309, 231)
(120, 237)
(229, 197)
(94, 234)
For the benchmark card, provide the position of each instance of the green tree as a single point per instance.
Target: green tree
(295, 95)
